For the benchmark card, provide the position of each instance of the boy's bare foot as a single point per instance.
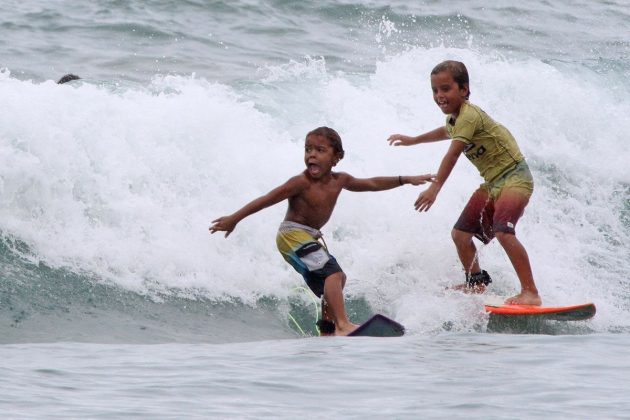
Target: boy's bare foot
(345, 329)
(465, 288)
(525, 298)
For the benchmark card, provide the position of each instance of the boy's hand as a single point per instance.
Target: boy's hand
(401, 140)
(426, 198)
(225, 224)
(420, 179)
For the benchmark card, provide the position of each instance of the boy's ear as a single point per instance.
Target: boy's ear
(467, 87)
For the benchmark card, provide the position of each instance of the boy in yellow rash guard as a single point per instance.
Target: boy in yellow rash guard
(496, 206)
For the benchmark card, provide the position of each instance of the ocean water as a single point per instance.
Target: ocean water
(116, 302)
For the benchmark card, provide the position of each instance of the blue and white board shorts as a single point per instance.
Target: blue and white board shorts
(300, 247)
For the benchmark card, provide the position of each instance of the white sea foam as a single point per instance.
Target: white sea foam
(124, 182)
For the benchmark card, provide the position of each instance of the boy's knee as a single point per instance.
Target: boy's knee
(459, 236)
(339, 276)
(455, 234)
(502, 237)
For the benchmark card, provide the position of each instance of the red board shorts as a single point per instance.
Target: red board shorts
(483, 217)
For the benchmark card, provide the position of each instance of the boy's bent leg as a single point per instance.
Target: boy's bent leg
(509, 208)
(466, 250)
(326, 325)
(336, 309)
(474, 221)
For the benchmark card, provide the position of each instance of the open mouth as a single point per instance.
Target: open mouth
(313, 169)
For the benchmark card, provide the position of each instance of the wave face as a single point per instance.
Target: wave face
(108, 184)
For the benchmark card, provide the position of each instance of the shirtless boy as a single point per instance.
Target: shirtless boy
(312, 196)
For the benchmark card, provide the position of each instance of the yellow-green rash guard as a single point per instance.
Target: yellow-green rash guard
(489, 145)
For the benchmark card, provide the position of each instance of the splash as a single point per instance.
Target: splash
(122, 182)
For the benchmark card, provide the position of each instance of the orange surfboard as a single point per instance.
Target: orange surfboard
(555, 313)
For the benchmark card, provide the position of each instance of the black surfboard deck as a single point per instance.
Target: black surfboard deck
(379, 326)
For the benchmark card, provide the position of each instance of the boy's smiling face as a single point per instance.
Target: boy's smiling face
(319, 156)
(447, 94)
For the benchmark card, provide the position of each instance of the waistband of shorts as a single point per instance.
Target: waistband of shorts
(518, 165)
(289, 225)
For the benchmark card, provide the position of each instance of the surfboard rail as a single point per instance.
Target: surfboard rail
(558, 313)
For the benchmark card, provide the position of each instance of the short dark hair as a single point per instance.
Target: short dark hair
(332, 136)
(68, 78)
(458, 71)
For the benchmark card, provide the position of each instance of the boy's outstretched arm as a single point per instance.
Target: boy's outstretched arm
(427, 197)
(382, 183)
(228, 223)
(438, 134)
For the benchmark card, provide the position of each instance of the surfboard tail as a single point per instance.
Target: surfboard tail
(379, 326)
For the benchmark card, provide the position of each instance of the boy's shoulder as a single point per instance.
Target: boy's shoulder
(471, 110)
(473, 114)
(301, 178)
(342, 177)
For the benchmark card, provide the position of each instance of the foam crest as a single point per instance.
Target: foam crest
(124, 182)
